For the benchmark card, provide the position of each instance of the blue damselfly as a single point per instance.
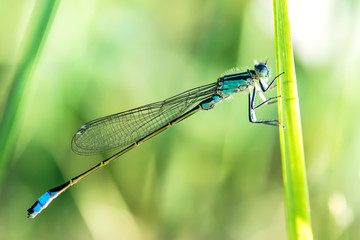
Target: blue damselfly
(129, 129)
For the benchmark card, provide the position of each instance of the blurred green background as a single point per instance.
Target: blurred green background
(213, 176)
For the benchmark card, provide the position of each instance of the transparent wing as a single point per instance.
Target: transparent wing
(124, 128)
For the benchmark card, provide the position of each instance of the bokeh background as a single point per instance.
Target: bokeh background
(213, 176)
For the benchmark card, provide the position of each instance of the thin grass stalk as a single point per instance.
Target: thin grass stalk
(32, 43)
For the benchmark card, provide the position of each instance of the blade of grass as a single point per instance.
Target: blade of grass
(292, 152)
(34, 38)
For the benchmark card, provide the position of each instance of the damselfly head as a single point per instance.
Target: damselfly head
(261, 70)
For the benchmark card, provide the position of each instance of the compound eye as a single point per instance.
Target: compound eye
(262, 70)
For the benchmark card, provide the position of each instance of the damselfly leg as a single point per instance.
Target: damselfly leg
(266, 101)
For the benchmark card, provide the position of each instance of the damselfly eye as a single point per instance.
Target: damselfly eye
(262, 70)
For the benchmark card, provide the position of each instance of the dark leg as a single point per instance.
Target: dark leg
(267, 88)
(252, 107)
(267, 102)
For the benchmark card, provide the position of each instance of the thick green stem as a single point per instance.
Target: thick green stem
(292, 152)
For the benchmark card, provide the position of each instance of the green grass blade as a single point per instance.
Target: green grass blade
(292, 152)
(31, 45)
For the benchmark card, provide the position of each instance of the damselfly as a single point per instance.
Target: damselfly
(129, 129)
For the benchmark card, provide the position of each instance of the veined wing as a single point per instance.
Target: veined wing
(124, 128)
